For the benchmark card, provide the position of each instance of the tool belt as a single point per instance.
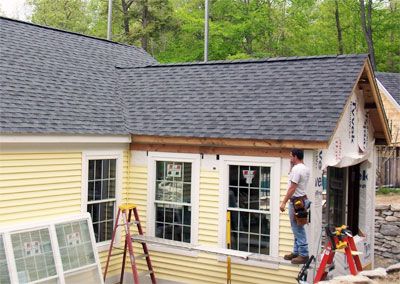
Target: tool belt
(300, 210)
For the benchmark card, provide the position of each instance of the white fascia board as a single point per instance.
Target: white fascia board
(26, 138)
(388, 95)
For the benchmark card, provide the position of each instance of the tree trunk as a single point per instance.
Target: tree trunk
(145, 21)
(125, 9)
(366, 22)
(338, 28)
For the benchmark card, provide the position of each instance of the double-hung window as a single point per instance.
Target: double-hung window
(250, 189)
(102, 178)
(249, 204)
(173, 201)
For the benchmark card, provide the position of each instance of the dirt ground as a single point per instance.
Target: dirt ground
(387, 199)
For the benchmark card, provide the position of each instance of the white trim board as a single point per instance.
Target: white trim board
(388, 95)
(26, 138)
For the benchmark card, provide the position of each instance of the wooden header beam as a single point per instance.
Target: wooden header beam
(221, 146)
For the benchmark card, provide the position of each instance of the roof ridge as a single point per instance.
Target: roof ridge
(245, 61)
(70, 32)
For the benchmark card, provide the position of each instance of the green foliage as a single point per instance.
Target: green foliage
(173, 30)
(387, 190)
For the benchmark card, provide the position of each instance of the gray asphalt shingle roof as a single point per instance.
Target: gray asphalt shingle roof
(284, 98)
(391, 82)
(59, 82)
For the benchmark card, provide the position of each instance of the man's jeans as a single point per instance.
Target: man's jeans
(300, 245)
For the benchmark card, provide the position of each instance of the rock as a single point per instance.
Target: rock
(379, 218)
(389, 230)
(391, 219)
(389, 238)
(396, 214)
(395, 207)
(387, 213)
(377, 213)
(359, 279)
(396, 250)
(376, 273)
(393, 268)
(387, 255)
(382, 207)
(378, 235)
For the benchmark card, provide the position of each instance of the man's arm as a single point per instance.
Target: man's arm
(291, 190)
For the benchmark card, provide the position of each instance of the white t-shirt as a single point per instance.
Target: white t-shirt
(300, 174)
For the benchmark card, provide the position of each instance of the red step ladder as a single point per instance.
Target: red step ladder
(126, 212)
(340, 239)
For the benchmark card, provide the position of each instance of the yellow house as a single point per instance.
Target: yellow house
(87, 124)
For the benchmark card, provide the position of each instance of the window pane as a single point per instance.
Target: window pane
(244, 198)
(159, 213)
(97, 190)
(233, 197)
(265, 224)
(4, 273)
(187, 215)
(91, 170)
(256, 179)
(168, 215)
(264, 246)
(255, 223)
(33, 249)
(234, 220)
(90, 191)
(255, 198)
(159, 230)
(178, 215)
(254, 245)
(187, 172)
(111, 189)
(242, 179)
(244, 221)
(234, 240)
(186, 192)
(160, 170)
(106, 169)
(265, 177)
(104, 191)
(186, 234)
(98, 169)
(168, 231)
(113, 168)
(178, 233)
(243, 242)
(233, 175)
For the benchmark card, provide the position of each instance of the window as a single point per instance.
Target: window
(173, 196)
(173, 200)
(250, 190)
(4, 275)
(249, 203)
(101, 196)
(57, 251)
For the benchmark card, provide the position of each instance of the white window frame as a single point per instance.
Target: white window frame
(275, 180)
(103, 155)
(6, 232)
(194, 159)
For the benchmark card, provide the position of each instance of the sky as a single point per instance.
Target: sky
(15, 9)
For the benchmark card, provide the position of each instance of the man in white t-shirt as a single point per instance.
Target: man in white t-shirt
(298, 179)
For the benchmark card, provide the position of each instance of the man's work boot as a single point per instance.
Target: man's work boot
(300, 259)
(290, 256)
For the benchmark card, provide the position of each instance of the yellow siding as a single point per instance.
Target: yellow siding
(39, 186)
(393, 115)
(206, 268)
(36, 186)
